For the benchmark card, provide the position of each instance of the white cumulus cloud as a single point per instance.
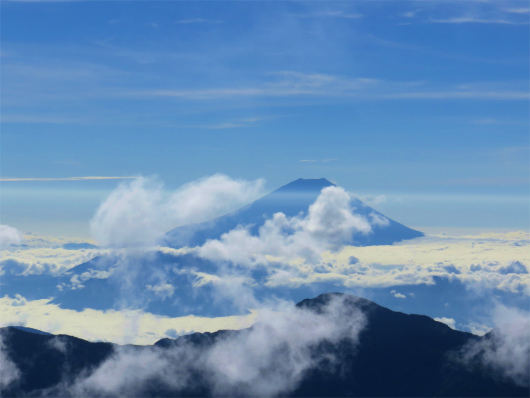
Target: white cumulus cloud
(138, 212)
(329, 224)
(9, 236)
(397, 294)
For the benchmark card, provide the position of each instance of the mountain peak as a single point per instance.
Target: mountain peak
(305, 185)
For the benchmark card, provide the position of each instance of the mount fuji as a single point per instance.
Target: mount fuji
(291, 200)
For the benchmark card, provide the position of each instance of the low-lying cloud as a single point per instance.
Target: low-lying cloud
(507, 347)
(109, 325)
(9, 372)
(54, 261)
(268, 359)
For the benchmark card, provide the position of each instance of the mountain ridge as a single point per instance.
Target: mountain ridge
(396, 355)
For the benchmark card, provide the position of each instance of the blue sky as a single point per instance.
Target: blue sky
(425, 102)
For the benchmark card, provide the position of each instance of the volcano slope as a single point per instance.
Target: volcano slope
(291, 200)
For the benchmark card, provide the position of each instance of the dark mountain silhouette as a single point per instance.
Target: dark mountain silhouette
(46, 360)
(291, 199)
(397, 355)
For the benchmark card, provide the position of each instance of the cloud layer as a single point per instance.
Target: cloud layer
(482, 263)
(45, 260)
(121, 327)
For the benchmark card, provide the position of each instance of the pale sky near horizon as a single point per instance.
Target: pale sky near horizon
(419, 106)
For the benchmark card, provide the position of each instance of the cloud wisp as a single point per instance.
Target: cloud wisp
(9, 371)
(506, 348)
(462, 20)
(297, 84)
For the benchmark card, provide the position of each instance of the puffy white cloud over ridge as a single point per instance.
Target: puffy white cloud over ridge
(328, 226)
(267, 359)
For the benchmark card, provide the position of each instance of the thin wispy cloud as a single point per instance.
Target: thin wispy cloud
(461, 20)
(520, 10)
(338, 14)
(482, 12)
(197, 20)
(300, 84)
(410, 14)
(88, 178)
(481, 181)
(236, 123)
(40, 119)
(244, 122)
(491, 121)
(70, 162)
(327, 160)
(329, 14)
(508, 95)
